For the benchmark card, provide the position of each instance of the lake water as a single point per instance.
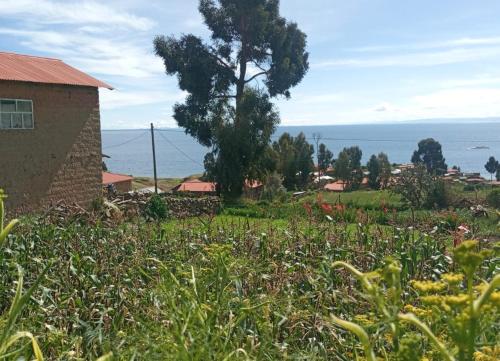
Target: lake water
(179, 155)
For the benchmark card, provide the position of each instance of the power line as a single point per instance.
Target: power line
(180, 150)
(126, 142)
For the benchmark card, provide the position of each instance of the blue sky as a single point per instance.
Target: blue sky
(372, 61)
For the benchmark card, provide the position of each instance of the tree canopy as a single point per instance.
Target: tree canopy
(348, 167)
(492, 166)
(294, 160)
(430, 154)
(325, 158)
(251, 47)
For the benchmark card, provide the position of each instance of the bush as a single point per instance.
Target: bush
(274, 188)
(156, 208)
(439, 195)
(493, 198)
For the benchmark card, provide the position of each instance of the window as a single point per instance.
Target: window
(16, 114)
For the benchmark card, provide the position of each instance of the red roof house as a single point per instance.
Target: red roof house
(122, 182)
(337, 186)
(49, 133)
(196, 186)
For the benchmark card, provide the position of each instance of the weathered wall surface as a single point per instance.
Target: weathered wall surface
(58, 160)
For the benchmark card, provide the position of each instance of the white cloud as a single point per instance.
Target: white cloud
(66, 12)
(119, 99)
(416, 59)
(459, 42)
(92, 53)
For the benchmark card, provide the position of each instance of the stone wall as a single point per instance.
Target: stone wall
(58, 160)
(182, 207)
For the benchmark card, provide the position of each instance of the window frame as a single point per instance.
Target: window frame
(16, 100)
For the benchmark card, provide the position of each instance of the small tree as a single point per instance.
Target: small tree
(492, 166)
(373, 167)
(325, 159)
(295, 161)
(273, 187)
(348, 167)
(430, 154)
(384, 170)
(413, 185)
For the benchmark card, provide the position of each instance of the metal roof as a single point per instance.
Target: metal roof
(34, 69)
(196, 185)
(112, 178)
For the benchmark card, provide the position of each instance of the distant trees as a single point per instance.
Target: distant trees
(413, 185)
(379, 169)
(430, 154)
(373, 168)
(325, 158)
(384, 170)
(492, 167)
(224, 109)
(348, 167)
(294, 160)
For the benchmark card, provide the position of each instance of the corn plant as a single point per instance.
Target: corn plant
(9, 338)
(457, 318)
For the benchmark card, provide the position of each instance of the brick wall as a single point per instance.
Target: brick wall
(61, 158)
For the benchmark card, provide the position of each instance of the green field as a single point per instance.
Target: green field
(256, 282)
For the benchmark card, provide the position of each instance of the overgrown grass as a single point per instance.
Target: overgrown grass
(227, 287)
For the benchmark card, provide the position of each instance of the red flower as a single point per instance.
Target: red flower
(327, 208)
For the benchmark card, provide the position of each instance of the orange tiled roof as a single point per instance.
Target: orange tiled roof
(112, 178)
(196, 185)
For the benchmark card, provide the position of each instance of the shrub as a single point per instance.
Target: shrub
(439, 195)
(493, 198)
(273, 188)
(156, 208)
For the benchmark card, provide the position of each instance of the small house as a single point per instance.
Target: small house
(50, 134)
(122, 183)
(196, 187)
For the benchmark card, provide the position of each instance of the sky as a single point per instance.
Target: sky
(371, 61)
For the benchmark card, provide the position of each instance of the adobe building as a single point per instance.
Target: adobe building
(50, 134)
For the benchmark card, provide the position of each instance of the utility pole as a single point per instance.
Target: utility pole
(317, 138)
(154, 157)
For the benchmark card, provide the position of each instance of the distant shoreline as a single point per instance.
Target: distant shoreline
(489, 120)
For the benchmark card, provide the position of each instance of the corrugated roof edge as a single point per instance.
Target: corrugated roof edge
(100, 83)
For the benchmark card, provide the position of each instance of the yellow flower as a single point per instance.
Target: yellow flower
(363, 320)
(456, 300)
(428, 286)
(432, 300)
(452, 278)
(419, 312)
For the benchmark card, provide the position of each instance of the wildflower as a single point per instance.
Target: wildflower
(428, 286)
(432, 300)
(452, 278)
(326, 208)
(364, 320)
(456, 300)
(417, 311)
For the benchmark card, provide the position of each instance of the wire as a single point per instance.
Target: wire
(126, 142)
(180, 150)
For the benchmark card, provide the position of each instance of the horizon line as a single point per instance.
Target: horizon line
(482, 120)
